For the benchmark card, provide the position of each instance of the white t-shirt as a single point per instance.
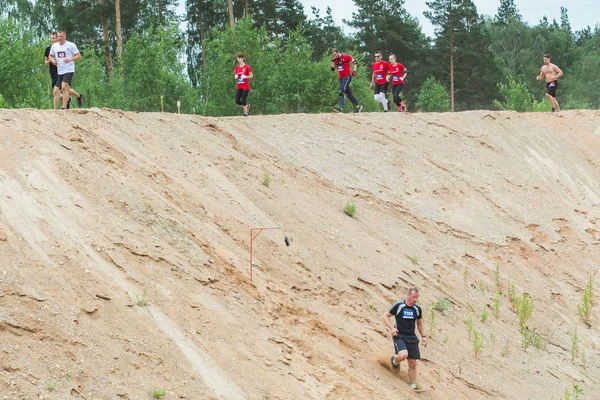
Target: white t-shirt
(61, 53)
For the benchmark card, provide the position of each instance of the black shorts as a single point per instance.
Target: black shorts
(381, 88)
(551, 88)
(54, 79)
(410, 343)
(66, 78)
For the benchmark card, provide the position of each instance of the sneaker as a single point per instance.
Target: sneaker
(414, 386)
(401, 107)
(337, 110)
(394, 365)
(80, 100)
(553, 109)
(69, 103)
(385, 110)
(358, 108)
(245, 115)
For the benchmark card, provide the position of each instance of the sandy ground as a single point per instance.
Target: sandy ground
(124, 242)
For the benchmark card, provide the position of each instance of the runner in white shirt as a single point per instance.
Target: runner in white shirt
(63, 54)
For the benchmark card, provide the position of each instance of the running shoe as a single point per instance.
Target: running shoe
(80, 100)
(394, 365)
(358, 108)
(337, 110)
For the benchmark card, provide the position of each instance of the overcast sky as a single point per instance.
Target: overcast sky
(581, 12)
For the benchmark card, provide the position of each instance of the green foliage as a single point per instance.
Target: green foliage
(484, 314)
(477, 342)
(372, 307)
(432, 321)
(142, 298)
(515, 96)
(575, 346)
(267, 179)
(158, 393)
(585, 308)
(433, 97)
(523, 307)
(442, 305)
(414, 260)
(152, 68)
(349, 209)
(25, 78)
(574, 394)
(496, 307)
(469, 323)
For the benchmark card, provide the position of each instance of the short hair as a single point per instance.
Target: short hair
(547, 56)
(377, 52)
(61, 31)
(412, 290)
(240, 55)
(334, 50)
(53, 33)
(392, 55)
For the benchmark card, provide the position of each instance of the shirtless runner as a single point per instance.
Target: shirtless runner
(552, 73)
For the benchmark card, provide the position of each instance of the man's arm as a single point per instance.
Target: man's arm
(541, 75)
(558, 72)
(421, 329)
(76, 57)
(372, 80)
(386, 319)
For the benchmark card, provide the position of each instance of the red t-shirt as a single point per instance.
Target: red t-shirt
(397, 72)
(381, 69)
(243, 70)
(343, 65)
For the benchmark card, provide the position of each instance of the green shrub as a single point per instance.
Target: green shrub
(433, 96)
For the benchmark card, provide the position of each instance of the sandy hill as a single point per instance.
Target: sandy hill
(124, 242)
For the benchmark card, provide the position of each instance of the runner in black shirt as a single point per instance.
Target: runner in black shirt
(406, 344)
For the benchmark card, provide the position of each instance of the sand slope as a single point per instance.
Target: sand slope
(125, 267)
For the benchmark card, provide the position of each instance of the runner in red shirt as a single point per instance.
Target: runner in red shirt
(380, 80)
(243, 73)
(341, 63)
(398, 73)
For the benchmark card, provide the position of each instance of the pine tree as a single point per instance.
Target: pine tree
(507, 12)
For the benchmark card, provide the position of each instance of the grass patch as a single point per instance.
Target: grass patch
(349, 209)
(372, 307)
(585, 308)
(414, 260)
(158, 393)
(432, 322)
(574, 344)
(142, 299)
(266, 179)
(51, 386)
(496, 307)
(484, 314)
(477, 342)
(442, 305)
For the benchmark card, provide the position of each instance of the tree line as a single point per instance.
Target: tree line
(136, 52)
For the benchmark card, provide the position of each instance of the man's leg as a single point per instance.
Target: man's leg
(56, 93)
(65, 94)
(412, 371)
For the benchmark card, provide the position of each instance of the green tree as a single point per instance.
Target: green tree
(507, 13)
(463, 45)
(433, 96)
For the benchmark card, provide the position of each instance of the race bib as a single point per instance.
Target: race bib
(240, 80)
(379, 76)
(408, 314)
(395, 79)
(340, 67)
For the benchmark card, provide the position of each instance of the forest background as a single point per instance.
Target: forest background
(134, 54)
